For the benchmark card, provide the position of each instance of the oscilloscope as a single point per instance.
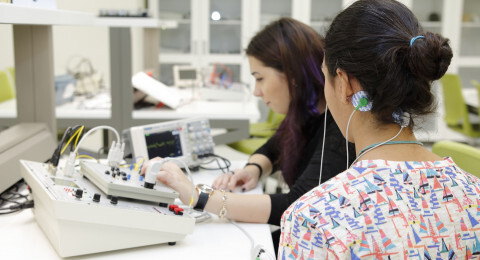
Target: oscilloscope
(189, 140)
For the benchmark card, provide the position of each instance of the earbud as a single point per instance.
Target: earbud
(360, 101)
(401, 118)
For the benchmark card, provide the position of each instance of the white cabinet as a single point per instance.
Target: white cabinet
(209, 32)
(199, 40)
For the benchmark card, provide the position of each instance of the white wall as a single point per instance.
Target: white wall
(84, 41)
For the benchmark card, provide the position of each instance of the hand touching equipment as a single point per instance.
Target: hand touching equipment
(171, 175)
(245, 179)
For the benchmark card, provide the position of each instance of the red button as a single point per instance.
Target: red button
(178, 211)
(172, 207)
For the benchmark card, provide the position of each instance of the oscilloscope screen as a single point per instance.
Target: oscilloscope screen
(164, 144)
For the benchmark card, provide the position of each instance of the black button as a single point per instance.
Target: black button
(79, 193)
(96, 197)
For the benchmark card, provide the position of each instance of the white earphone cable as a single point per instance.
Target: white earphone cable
(346, 136)
(323, 144)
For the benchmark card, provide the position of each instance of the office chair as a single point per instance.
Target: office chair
(267, 128)
(477, 85)
(465, 156)
(249, 145)
(6, 89)
(456, 110)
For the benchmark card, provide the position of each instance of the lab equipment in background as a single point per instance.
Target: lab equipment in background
(189, 140)
(88, 81)
(235, 92)
(64, 89)
(157, 90)
(219, 85)
(26, 141)
(186, 76)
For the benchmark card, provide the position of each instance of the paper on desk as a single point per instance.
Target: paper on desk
(156, 89)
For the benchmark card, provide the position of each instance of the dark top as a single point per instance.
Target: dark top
(334, 162)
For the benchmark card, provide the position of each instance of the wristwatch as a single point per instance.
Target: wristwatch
(204, 192)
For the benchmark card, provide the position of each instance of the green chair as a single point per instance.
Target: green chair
(249, 145)
(259, 134)
(477, 85)
(465, 156)
(456, 110)
(267, 128)
(6, 89)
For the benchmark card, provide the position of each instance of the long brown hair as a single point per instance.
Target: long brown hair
(295, 49)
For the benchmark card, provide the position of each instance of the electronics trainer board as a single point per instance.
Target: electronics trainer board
(78, 218)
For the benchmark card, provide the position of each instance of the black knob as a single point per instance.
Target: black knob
(149, 185)
(79, 193)
(107, 172)
(114, 200)
(96, 197)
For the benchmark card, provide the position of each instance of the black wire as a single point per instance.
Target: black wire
(226, 162)
(13, 196)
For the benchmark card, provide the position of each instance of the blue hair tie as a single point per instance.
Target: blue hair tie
(415, 38)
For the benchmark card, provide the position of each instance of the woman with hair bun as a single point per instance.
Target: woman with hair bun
(285, 59)
(397, 200)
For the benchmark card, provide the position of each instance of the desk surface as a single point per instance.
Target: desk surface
(99, 108)
(22, 238)
(471, 96)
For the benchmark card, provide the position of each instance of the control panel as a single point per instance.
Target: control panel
(189, 140)
(79, 218)
(126, 183)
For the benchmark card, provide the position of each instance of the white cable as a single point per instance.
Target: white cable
(69, 165)
(257, 250)
(346, 136)
(95, 129)
(382, 143)
(323, 144)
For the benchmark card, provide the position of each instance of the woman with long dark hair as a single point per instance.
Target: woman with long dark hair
(285, 60)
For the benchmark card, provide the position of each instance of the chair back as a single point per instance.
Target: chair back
(465, 156)
(456, 111)
(6, 89)
(477, 85)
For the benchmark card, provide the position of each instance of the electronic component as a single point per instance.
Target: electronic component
(188, 140)
(185, 76)
(78, 218)
(125, 183)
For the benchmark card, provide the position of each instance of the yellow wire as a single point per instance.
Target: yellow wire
(79, 134)
(71, 138)
(86, 156)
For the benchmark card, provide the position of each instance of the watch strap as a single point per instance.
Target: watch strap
(202, 201)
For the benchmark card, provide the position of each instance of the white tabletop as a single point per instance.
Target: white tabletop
(471, 96)
(99, 107)
(22, 238)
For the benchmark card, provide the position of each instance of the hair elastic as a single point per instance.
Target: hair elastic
(415, 38)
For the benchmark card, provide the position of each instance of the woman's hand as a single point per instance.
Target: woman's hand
(243, 178)
(172, 176)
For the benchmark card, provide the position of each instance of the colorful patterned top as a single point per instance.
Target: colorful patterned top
(387, 210)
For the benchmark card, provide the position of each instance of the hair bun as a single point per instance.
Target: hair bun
(430, 56)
